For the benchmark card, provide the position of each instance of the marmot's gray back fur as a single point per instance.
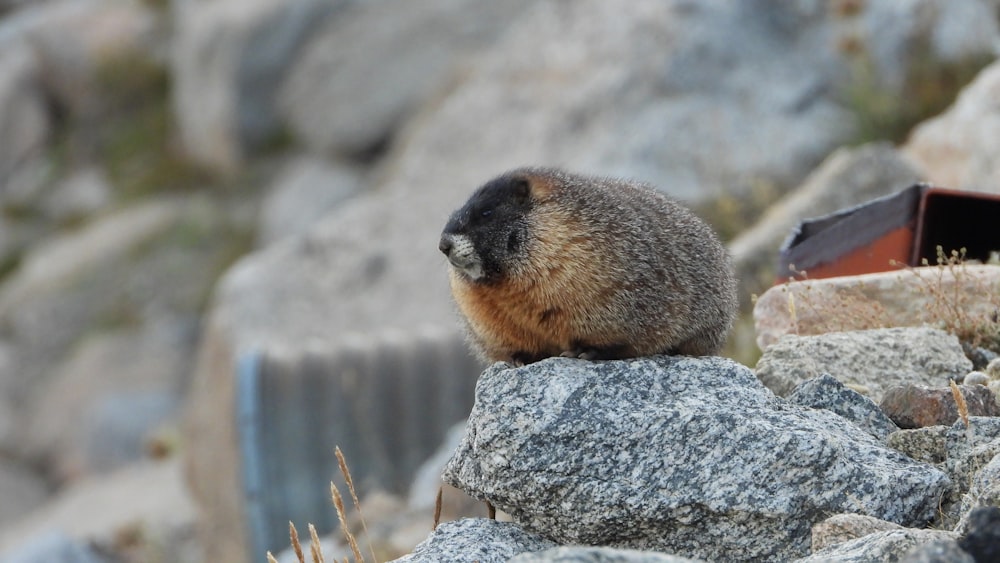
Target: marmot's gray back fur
(548, 263)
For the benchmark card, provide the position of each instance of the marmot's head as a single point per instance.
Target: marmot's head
(486, 238)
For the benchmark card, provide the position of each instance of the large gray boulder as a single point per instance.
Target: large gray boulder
(580, 554)
(826, 392)
(682, 455)
(305, 190)
(147, 502)
(67, 282)
(870, 361)
(891, 545)
(476, 539)
(21, 490)
(958, 149)
(228, 60)
(24, 122)
(99, 409)
(368, 70)
(960, 297)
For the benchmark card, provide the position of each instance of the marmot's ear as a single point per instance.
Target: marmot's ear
(520, 189)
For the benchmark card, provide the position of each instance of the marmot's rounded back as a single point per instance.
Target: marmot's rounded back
(547, 263)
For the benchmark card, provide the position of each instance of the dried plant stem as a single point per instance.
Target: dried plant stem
(963, 407)
(317, 551)
(437, 508)
(354, 498)
(270, 558)
(294, 535)
(338, 503)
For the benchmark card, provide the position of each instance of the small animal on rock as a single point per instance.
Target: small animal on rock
(550, 263)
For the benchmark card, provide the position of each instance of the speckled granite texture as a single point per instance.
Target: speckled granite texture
(688, 456)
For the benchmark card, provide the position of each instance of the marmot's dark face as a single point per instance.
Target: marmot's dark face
(486, 237)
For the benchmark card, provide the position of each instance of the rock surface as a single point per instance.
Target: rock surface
(870, 361)
(825, 392)
(476, 539)
(24, 123)
(54, 547)
(958, 149)
(890, 545)
(99, 410)
(963, 453)
(982, 540)
(841, 528)
(597, 555)
(148, 497)
(681, 455)
(21, 490)
(913, 406)
(911, 297)
(928, 444)
(379, 62)
(939, 551)
(984, 493)
(306, 190)
(228, 60)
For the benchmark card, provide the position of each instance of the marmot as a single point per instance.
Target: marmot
(548, 263)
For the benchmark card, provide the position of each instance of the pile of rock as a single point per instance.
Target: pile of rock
(696, 458)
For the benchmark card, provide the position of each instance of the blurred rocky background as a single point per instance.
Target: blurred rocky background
(187, 184)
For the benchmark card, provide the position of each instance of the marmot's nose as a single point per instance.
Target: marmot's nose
(446, 244)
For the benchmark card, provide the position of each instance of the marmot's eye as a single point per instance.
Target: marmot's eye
(486, 212)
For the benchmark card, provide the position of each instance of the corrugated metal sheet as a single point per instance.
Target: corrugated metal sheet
(387, 403)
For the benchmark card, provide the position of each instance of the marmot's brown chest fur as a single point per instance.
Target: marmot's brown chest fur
(547, 263)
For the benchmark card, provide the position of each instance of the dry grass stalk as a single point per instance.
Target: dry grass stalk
(294, 535)
(270, 558)
(437, 508)
(338, 503)
(354, 498)
(963, 407)
(317, 551)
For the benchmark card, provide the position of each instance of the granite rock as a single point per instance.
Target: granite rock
(915, 406)
(890, 545)
(228, 60)
(24, 122)
(476, 539)
(938, 551)
(913, 297)
(380, 62)
(578, 554)
(928, 444)
(982, 540)
(983, 494)
(306, 190)
(869, 360)
(841, 528)
(826, 392)
(959, 148)
(690, 456)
